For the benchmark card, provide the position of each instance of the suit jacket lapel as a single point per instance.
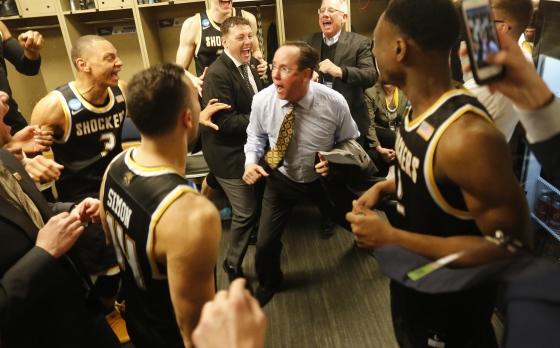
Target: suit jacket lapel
(236, 74)
(340, 47)
(256, 76)
(26, 184)
(19, 218)
(317, 43)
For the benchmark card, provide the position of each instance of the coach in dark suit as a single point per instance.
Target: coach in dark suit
(42, 294)
(346, 63)
(233, 80)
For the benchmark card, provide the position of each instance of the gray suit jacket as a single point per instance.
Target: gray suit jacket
(353, 55)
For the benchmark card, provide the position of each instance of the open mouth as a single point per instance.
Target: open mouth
(115, 75)
(226, 4)
(327, 24)
(246, 54)
(279, 88)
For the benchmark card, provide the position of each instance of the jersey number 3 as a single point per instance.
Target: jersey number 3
(125, 247)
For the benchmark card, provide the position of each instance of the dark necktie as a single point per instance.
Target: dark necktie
(275, 155)
(245, 75)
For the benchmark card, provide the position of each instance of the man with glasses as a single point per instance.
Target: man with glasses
(346, 63)
(298, 118)
(233, 79)
(511, 17)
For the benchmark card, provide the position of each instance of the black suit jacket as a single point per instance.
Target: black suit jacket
(223, 149)
(546, 153)
(42, 300)
(353, 53)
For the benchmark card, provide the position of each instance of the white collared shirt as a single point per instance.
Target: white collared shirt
(238, 64)
(332, 40)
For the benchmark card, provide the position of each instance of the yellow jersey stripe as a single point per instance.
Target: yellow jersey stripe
(162, 207)
(429, 162)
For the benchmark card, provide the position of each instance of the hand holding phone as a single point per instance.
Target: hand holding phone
(482, 40)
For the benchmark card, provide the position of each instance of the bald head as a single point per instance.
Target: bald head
(83, 47)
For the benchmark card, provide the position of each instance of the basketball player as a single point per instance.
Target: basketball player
(86, 117)
(165, 234)
(454, 181)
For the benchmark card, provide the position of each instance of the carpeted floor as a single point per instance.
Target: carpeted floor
(334, 294)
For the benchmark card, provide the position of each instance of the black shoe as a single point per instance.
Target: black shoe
(253, 239)
(327, 226)
(9, 8)
(231, 273)
(264, 294)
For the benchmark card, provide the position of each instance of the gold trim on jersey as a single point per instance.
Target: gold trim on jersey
(147, 171)
(88, 105)
(68, 119)
(216, 26)
(162, 207)
(429, 162)
(410, 125)
(122, 90)
(199, 34)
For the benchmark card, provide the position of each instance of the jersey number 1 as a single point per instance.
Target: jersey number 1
(125, 247)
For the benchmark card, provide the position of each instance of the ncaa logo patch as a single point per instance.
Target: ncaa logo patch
(205, 23)
(74, 104)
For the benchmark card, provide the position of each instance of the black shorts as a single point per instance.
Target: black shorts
(98, 257)
(451, 320)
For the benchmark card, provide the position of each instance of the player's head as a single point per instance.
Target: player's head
(5, 136)
(515, 14)
(161, 98)
(332, 16)
(237, 38)
(409, 29)
(225, 7)
(96, 57)
(293, 66)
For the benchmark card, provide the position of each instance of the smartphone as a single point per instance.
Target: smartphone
(482, 39)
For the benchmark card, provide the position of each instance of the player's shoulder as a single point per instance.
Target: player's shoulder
(191, 205)
(192, 22)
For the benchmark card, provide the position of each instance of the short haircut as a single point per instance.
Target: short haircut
(231, 22)
(82, 46)
(432, 24)
(308, 56)
(155, 98)
(343, 5)
(519, 11)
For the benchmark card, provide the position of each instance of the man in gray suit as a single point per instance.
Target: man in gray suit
(346, 63)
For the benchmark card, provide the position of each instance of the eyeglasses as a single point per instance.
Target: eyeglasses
(328, 10)
(500, 22)
(283, 70)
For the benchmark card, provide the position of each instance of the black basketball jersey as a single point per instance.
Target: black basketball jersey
(134, 198)
(91, 139)
(209, 46)
(425, 206)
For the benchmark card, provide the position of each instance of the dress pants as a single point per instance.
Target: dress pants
(245, 208)
(387, 139)
(280, 196)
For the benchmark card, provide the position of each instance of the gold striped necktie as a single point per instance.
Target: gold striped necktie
(274, 156)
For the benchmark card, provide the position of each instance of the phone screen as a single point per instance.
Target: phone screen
(483, 33)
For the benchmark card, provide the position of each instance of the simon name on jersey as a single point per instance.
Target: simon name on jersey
(119, 207)
(408, 162)
(100, 124)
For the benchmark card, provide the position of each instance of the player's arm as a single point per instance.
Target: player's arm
(188, 244)
(48, 114)
(257, 53)
(187, 46)
(472, 154)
